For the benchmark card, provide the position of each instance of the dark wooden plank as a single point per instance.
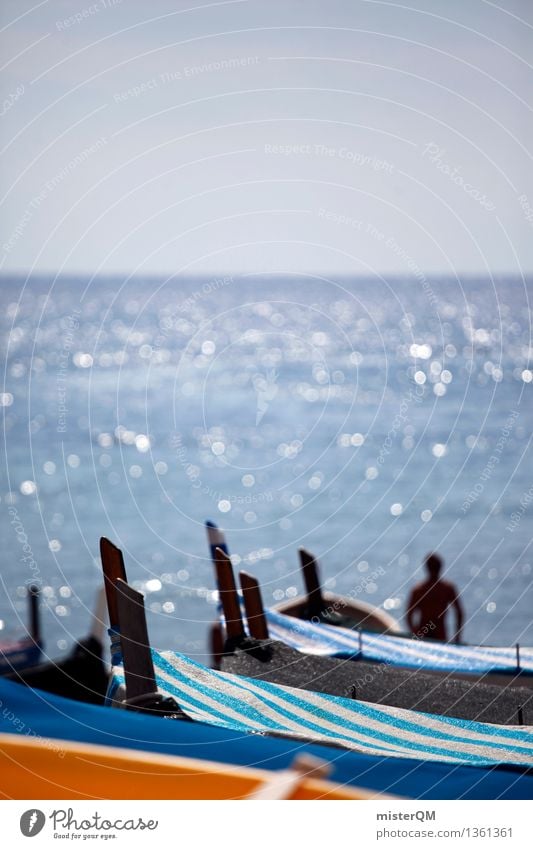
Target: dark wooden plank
(113, 569)
(216, 641)
(138, 665)
(216, 539)
(253, 604)
(228, 595)
(315, 600)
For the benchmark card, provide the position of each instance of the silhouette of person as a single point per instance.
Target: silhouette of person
(429, 603)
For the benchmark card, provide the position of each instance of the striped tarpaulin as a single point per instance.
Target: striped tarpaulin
(249, 705)
(328, 640)
(31, 712)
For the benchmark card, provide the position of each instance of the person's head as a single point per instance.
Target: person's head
(434, 565)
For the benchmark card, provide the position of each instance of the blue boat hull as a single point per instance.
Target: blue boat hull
(32, 712)
(20, 657)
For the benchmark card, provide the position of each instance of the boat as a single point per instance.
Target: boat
(253, 653)
(89, 771)
(81, 675)
(499, 665)
(319, 605)
(26, 652)
(53, 719)
(382, 683)
(183, 689)
(504, 665)
(26, 712)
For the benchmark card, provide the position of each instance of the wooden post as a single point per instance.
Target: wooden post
(520, 715)
(113, 568)
(228, 596)
(315, 601)
(138, 664)
(216, 539)
(253, 604)
(518, 657)
(360, 641)
(35, 617)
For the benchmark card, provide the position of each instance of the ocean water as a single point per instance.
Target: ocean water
(370, 421)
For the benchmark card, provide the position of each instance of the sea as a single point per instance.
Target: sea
(371, 421)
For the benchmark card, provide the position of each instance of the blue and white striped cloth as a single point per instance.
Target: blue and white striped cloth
(333, 641)
(251, 706)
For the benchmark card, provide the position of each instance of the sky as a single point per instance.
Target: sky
(349, 136)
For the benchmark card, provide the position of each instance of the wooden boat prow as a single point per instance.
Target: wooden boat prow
(322, 606)
(359, 613)
(339, 609)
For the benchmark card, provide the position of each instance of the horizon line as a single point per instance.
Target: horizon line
(205, 275)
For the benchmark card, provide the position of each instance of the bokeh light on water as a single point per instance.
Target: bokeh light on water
(370, 421)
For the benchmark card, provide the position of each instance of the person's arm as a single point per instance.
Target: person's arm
(412, 612)
(459, 617)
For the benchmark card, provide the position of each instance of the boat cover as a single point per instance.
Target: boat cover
(35, 713)
(250, 705)
(329, 640)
